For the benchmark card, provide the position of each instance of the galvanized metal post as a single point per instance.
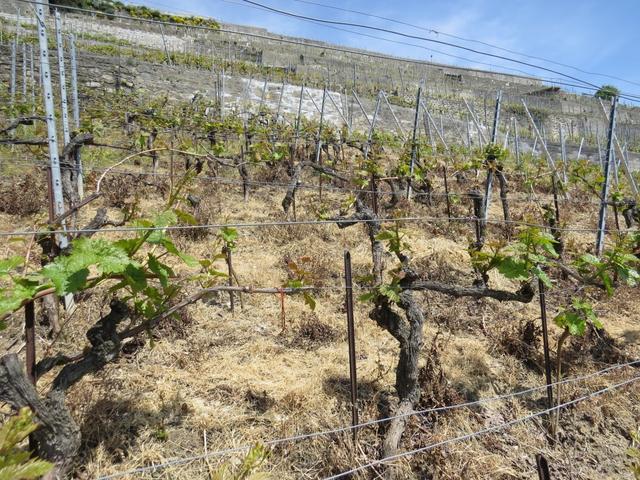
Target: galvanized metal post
(74, 81)
(580, 149)
(12, 85)
(33, 77)
(63, 81)
(372, 127)
(352, 342)
(367, 147)
(262, 96)
(552, 164)
(475, 122)
(222, 94)
(427, 128)
(76, 112)
(24, 72)
(605, 185)
(279, 107)
(563, 155)
(56, 179)
(58, 201)
(516, 141)
(319, 142)
(355, 95)
(414, 144)
(164, 43)
(489, 183)
(299, 115)
(431, 121)
(600, 156)
(622, 156)
(393, 114)
(335, 105)
(496, 118)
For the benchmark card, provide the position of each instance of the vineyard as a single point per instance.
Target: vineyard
(287, 275)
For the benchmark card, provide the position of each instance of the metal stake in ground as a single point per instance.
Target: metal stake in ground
(605, 186)
(56, 178)
(490, 167)
(227, 252)
(319, 143)
(414, 144)
(367, 147)
(516, 142)
(12, 86)
(30, 340)
(355, 96)
(352, 341)
(545, 342)
(76, 113)
(63, 81)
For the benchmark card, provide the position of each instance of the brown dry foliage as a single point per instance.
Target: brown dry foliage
(25, 195)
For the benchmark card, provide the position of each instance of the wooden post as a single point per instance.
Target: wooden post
(605, 185)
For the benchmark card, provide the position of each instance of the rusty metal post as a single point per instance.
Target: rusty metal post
(227, 251)
(545, 342)
(352, 341)
(30, 339)
(542, 465)
(446, 191)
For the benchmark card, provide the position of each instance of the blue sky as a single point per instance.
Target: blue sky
(595, 36)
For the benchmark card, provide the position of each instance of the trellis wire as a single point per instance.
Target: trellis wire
(232, 181)
(217, 226)
(485, 431)
(182, 461)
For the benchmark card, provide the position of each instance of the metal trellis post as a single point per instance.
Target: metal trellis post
(63, 81)
(605, 185)
(414, 144)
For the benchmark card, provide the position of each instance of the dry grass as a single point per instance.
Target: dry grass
(239, 379)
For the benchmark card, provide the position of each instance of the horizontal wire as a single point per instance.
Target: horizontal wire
(279, 185)
(181, 461)
(349, 221)
(485, 431)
